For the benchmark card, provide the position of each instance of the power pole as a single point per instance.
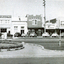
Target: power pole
(44, 15)
(60, 39)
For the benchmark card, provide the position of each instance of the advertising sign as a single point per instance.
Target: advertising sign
(5, 16)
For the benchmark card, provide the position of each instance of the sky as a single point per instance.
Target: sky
(54, 8)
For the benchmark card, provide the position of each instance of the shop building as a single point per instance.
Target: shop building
(34, 24)
(61, 24)
(12, 25)
(5, 23)
(19, 27)
(55, 25)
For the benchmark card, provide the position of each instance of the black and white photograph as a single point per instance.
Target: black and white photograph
(31, 31)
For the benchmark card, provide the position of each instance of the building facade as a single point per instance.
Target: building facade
(55, 25)
(34, 24)
(19, 26)
(61, 24)
(7, 24)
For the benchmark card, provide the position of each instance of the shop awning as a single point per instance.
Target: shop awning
(35, 27)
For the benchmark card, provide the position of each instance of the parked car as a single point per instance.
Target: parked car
(54, 35)
(24, 35)
(17, 34)
(33, 35)
(45, 34)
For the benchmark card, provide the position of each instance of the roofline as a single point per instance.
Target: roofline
(19, 21)
(35, 27)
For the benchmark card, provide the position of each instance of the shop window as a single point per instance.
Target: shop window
(34, 22)
(3, 30)
(62, 22)
(15, 27)
(22, 27)
(0, 21)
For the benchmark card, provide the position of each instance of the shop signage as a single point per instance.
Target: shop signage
(5, 16)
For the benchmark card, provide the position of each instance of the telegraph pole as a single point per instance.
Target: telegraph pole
(44, 15)
(60, 39)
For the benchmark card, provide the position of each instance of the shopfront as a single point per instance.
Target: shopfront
(38, 31)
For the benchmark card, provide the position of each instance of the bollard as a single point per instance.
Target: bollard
(59, 43)
(23, 43)
(0, 50)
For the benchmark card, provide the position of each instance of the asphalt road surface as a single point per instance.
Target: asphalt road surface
(50, 60)
(52, 44)
(47, 43)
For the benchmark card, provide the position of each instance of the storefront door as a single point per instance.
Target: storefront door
(22, 31)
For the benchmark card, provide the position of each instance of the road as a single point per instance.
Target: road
(47, 43)
(32, 60)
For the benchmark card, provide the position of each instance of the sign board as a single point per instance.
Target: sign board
(62, 22)
(5, 16)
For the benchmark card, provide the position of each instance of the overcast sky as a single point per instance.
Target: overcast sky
(54, 8)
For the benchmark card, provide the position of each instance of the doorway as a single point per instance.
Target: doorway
(22, 31)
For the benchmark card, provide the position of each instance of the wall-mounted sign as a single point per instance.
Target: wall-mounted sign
(5, 16)
(62, 22)
(53, 20)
